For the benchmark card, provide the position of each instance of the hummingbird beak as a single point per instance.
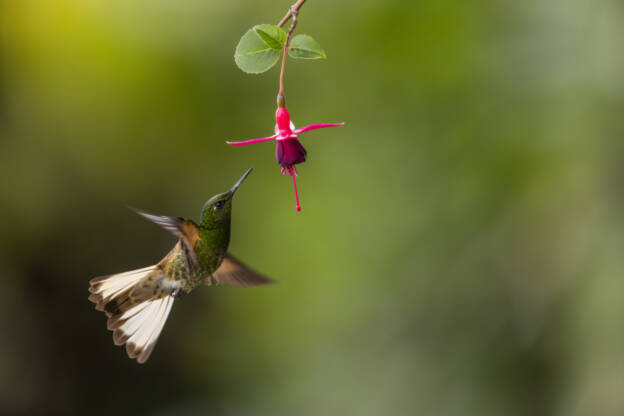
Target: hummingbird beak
(237, 184)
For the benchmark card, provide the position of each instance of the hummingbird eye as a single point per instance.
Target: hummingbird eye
(219, 204)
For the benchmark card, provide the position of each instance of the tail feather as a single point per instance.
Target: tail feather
(137, 308)
(116, 321)
(107, 286)
(164, 313)
(142, 342)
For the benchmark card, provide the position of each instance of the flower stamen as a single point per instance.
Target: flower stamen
(293, 172)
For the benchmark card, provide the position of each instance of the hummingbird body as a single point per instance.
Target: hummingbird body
(138, 302)
(175, 271)
(210, 249)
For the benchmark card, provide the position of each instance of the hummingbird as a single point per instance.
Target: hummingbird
(137, 303)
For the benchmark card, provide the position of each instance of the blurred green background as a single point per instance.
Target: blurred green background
(460, 246)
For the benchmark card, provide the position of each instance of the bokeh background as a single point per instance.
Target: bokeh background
(460, 248)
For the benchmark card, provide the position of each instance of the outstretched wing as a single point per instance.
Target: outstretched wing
(185, 230)
(233, 272)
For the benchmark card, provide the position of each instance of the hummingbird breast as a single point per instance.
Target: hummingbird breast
(175, 268)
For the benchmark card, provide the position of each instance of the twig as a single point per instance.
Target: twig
(295, 7)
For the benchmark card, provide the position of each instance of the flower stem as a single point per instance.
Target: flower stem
(281, 89)
(292, 12)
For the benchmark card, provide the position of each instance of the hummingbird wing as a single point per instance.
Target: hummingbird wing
(233, 272)
(185, 230)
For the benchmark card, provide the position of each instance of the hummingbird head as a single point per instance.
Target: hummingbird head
(217, 210)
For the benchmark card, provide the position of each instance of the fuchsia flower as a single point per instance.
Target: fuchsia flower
(288, 151)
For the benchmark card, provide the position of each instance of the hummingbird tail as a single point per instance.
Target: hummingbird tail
(136, 306)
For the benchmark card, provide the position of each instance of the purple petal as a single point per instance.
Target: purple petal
(289, 152)
(316, 126)
(252, 141)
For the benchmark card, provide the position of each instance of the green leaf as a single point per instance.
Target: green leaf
(259, 49)
(274, 36)
(305, 47)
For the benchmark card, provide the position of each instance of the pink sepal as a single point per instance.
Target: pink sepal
(316, 126)
(252, 141)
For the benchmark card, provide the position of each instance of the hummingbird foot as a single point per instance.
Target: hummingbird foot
(178, 293)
